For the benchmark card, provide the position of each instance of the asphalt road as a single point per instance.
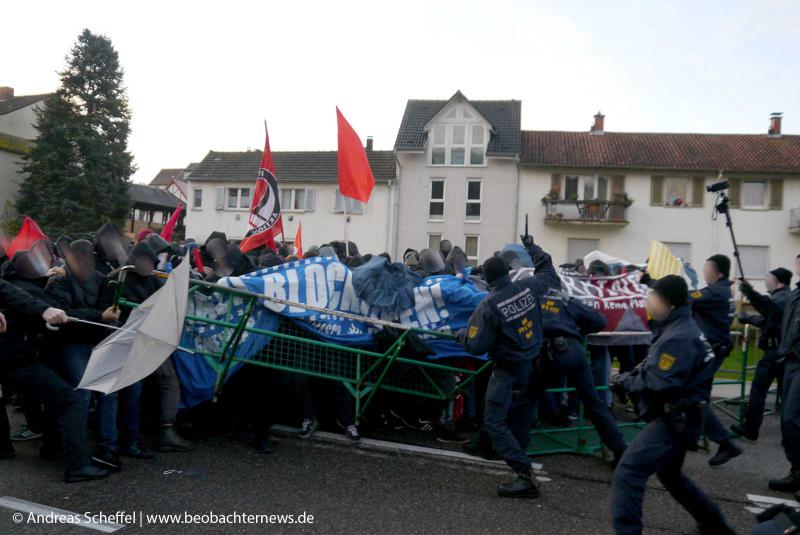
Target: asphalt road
(349, 489)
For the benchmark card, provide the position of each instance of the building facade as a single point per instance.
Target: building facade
(220, 190)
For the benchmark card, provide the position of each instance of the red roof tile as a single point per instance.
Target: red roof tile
(690, 152)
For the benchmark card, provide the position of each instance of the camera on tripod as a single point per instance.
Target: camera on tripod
(722, 185)
(721, 206)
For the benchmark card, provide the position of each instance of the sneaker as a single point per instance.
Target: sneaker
(450, 436)
(352, 433)
(727, 451)
(790, 483)
(135, 452)
(169, 441)
(519, 487)
(307, 428)
(745, 432)
(25, 433)
(107, 459)
(412, 423)
(87, 473)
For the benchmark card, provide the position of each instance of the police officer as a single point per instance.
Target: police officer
(770, 367)
(790, 389)
(566, 322)
(672, 383)
(507, 325)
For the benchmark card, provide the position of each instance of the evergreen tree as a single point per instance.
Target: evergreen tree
(80, 168)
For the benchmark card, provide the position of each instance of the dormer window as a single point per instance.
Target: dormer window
(457, 139)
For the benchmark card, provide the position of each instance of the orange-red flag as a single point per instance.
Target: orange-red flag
(298, 241)
(355, 176)
(29, 233)
(265, 211)
(169, 228)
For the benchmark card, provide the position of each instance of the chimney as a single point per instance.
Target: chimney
(775, 124)
(369, 144)
(597, 127)
(6, 93)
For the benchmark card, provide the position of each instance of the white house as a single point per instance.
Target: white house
(615, 191)
(457, 174)
(17, 135)
(220, 189)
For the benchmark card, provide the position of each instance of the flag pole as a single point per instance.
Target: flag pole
(346, 241)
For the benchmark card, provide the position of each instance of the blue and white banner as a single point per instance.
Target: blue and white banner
(442, 303)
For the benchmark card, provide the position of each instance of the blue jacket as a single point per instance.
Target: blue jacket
(507, 324)
(771, 309)
(679, 365)
(562, 316)
(713, 309)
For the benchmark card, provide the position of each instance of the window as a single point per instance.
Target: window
(237, 198)
(436, 203)
(298, 200)
(233, 197)
(353, 206)
(577, 248)
(754, 194)
(680, 249)
(477, 145)
(434, 240)
(457, 144)
(585, 188)
(473, 199)
(459, 141)
(244, 198)
(438, 146)
(471, 250)
(197, 198)
(676, 191)
(755, 261)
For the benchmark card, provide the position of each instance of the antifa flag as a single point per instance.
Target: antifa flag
(29, 233)
(265, 211)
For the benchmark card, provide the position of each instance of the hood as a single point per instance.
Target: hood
(139, 250)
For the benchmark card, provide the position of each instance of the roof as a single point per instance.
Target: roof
(503, 115)
(166, 176)
(691, 152)
(152, 198)
(301, 166)
(16, 103)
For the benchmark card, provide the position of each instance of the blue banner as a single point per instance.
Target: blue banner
(442, 303)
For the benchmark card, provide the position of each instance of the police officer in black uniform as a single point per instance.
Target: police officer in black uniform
(507, 324)
(790, 389)
(770, 367)
(673, 385)
(566, 322)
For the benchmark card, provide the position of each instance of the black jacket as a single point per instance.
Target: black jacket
(771, 309)
(16, 303)
(713, 309)
(562, 316)
(790, 325)
(84, 300)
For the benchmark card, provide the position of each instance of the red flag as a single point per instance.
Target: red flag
(355, 176)
(198, 259)
(265, 211)
(169, 228)
(29, 233)
(298, 241)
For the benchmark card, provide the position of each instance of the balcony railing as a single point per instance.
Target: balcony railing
(594, 211)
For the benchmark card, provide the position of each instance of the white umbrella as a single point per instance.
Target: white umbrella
(148, 338)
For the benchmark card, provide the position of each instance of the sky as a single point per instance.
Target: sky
(204, 75)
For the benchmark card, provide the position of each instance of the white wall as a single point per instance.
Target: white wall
(498, 191)
(681, 224)
(18, 123)
(369, 231)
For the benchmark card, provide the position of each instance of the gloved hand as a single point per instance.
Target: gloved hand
(461, 336)
(527, 240)
(616, 386)
(645, 278)
(746, 288)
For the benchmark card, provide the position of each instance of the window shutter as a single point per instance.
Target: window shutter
(698, 190)
(309, 199)
(220, 197)
(555, 185)
(657, 190)
(735, 193)
(776, 194)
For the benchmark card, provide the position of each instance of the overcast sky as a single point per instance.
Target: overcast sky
(203, 75)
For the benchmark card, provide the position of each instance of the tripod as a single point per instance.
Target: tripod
(722, 206)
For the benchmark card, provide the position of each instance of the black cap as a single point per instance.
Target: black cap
(494, 268)
(673, 289)
(723, 264)
(783, 275)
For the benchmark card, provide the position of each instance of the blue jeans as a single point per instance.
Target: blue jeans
(601, 369)
(658, 449)
(769, 368)
(508, 418)
(74, 359)
(130, 404)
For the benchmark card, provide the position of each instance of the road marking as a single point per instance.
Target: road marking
(39, 510)
(385, 445)
(771, 500)
(754, 510)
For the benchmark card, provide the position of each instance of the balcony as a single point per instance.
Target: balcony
(794, 221)
(592, 212)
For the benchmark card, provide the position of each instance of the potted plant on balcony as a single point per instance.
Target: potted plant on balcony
(621, 202)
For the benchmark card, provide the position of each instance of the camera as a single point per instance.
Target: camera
(718, 186)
